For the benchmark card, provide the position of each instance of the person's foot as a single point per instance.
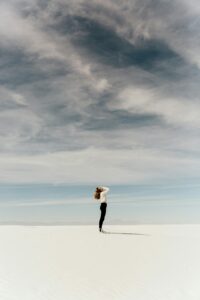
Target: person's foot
(100, 229)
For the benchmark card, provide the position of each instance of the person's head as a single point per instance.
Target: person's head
(97, 193)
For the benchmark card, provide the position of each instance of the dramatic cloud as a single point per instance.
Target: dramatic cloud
(101, 91)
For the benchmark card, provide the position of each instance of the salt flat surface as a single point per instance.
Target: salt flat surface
(143, 262)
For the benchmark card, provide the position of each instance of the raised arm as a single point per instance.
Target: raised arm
(105, 190)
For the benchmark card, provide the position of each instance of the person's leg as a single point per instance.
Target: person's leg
(103, 213)
(102, 208)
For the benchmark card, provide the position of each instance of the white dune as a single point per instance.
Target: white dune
(143, 262)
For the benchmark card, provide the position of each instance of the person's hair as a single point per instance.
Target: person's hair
(97, 193)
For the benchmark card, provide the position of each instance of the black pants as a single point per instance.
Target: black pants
(103, 207)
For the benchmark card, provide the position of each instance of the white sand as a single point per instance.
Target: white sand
(155, 262)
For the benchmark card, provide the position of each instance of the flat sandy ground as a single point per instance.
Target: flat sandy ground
(144, 262)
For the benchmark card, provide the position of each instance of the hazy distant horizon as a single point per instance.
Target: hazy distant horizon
(139, 204)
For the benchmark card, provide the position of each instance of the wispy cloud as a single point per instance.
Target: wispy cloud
(37, 202)
(108, 85)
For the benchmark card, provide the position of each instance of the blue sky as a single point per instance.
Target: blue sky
(99, 93)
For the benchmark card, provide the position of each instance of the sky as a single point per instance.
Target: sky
(99, 93)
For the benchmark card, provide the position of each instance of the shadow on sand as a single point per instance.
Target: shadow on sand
(127, 233)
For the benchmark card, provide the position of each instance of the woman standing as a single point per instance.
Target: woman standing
(101, 194)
